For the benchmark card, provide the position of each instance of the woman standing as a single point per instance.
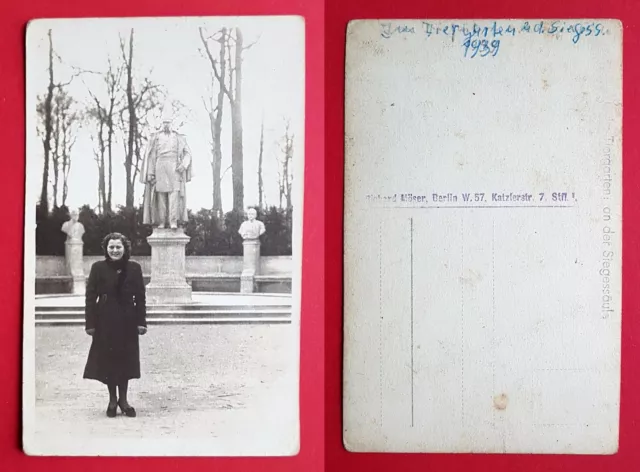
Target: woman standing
(115, 315)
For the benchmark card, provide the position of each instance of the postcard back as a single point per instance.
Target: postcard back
(482, 236)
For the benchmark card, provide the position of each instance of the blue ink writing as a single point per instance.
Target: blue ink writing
(389, 30)
(479, 41)
(482, 47)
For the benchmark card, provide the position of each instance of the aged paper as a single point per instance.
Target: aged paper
(483, 184)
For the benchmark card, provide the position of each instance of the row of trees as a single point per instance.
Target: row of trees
(210, 235)
(125, 108)
(121, 113)
(226, 81)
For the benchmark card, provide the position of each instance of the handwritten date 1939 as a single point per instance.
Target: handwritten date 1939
(481, 47)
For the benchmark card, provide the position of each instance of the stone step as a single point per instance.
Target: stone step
(68, 314)
(175, 308)
(177, 321)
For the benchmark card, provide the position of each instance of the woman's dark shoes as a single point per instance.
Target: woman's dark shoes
(112, 409)
(127, 409)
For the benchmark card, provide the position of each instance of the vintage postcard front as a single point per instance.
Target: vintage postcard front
(163, 236)
(483, 183)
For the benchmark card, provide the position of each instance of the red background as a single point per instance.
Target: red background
(325, 29)
(337, 14)
(13, 18)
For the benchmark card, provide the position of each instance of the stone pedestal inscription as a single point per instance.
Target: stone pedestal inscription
(168, 283)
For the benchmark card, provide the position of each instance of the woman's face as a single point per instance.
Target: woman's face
(115, 249)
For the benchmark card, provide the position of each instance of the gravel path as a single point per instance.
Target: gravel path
(213, 381)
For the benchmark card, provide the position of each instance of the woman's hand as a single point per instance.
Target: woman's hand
(142, 330)
(90, 331)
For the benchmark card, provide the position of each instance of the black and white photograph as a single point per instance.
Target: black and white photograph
(163, 233)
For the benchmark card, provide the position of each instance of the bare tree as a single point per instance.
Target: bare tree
(235, 99)
(45, 111)
(96, 114)
(215, 112)
(46, 142)
(112, 79)
(260, 181)
(69, 121)
(285, 172)
(131, 109)
(140, 101)
(234, 41)
(57, 111)
(66, 122)
(63, 134)
(102, 113)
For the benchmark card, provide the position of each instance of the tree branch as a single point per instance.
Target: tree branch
(213, 62)
(81, 70)
(147, 88)
(206, 107)
(225, 171)
(61, 85)
(250, 45)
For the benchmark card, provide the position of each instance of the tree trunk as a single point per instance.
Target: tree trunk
(137, 152)
(285, 176)
(260, 182)
(237, 161)
(55, 156)
(66, 164)
(216, 164)
(281, 189)
(112, 80)
(215, 113)
(216, 130)
(67, 145)
(216, 169)
(101, 177)
(44, 194)
(110, 132)
(132, 125)
(287, 172)
(289, 204)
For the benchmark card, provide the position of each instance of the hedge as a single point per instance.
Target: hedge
(209, 234)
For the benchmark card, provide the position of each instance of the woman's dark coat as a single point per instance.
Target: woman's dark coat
(115, 306)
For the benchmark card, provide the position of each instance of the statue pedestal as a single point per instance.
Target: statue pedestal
(75, 266)
(250, 264)
(168, 285)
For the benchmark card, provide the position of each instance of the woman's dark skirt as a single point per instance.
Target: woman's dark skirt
(114, 356)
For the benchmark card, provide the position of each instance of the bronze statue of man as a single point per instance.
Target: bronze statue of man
(165, 173)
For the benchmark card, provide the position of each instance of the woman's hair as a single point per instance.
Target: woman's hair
(125, 242)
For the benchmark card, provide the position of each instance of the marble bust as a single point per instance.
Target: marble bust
(251, 228)
(73, 228)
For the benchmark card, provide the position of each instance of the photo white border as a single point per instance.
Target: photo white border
(155, 447)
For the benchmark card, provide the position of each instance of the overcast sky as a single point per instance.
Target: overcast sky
(167, 51)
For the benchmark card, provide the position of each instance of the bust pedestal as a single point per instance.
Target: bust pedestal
(250, 264)
(168, 285)
(75, 268)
